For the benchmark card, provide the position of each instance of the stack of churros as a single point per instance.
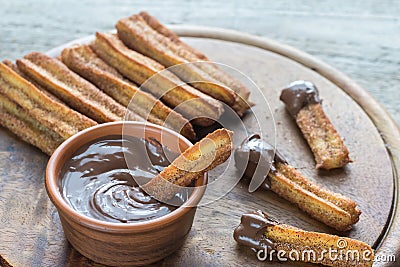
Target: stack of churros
(145, 34)
(201, 109)
(71, 88)
(33, 115)
(86, 63)
(45, 100)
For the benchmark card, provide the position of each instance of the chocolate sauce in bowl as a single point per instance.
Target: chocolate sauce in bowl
(96, 181)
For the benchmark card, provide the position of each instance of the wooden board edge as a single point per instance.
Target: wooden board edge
(387, 127)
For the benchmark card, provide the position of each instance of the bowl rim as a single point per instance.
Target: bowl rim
(52, 188)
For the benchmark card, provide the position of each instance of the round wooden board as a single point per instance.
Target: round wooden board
(31, 234)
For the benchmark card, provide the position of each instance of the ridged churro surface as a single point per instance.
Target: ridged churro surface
(193, 104)
(327, 146)
(56, 116)
(86, 63)
(75, 91)
(18, 121)
(137, 33)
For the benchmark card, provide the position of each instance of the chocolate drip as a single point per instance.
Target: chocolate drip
(97, 182)
(252, 152)
(299, 94)
(252, 229)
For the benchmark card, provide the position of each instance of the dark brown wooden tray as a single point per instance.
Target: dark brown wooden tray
(30, 230)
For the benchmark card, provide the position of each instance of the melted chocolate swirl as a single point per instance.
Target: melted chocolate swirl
(96, 181)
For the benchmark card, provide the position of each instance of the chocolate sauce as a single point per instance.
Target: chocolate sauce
(253, 152)
(96, 181)
(299, 94)
(251, 231)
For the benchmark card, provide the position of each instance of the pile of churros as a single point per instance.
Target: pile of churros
(125, 76)
(45, 100)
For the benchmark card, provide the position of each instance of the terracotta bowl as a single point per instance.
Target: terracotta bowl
(120, 244)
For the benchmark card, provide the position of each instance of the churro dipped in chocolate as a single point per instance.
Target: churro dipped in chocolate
(75, 91)
(193, 55)
(199, 108)
(49, 113)
(139, 35)
(260, 232)
(334, 210)
(205, 155)
(303, 103)
(82, 60)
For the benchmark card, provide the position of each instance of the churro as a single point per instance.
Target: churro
(148, 36)
(191, 103)
(18, 121)
(75, 91)
(205, 155)
(53, 115)
(303, 103)
(82, 60)
(15, 68)
(332, 209)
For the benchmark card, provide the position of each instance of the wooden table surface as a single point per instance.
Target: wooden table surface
(360, 38)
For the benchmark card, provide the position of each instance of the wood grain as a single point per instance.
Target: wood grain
(30, 224)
